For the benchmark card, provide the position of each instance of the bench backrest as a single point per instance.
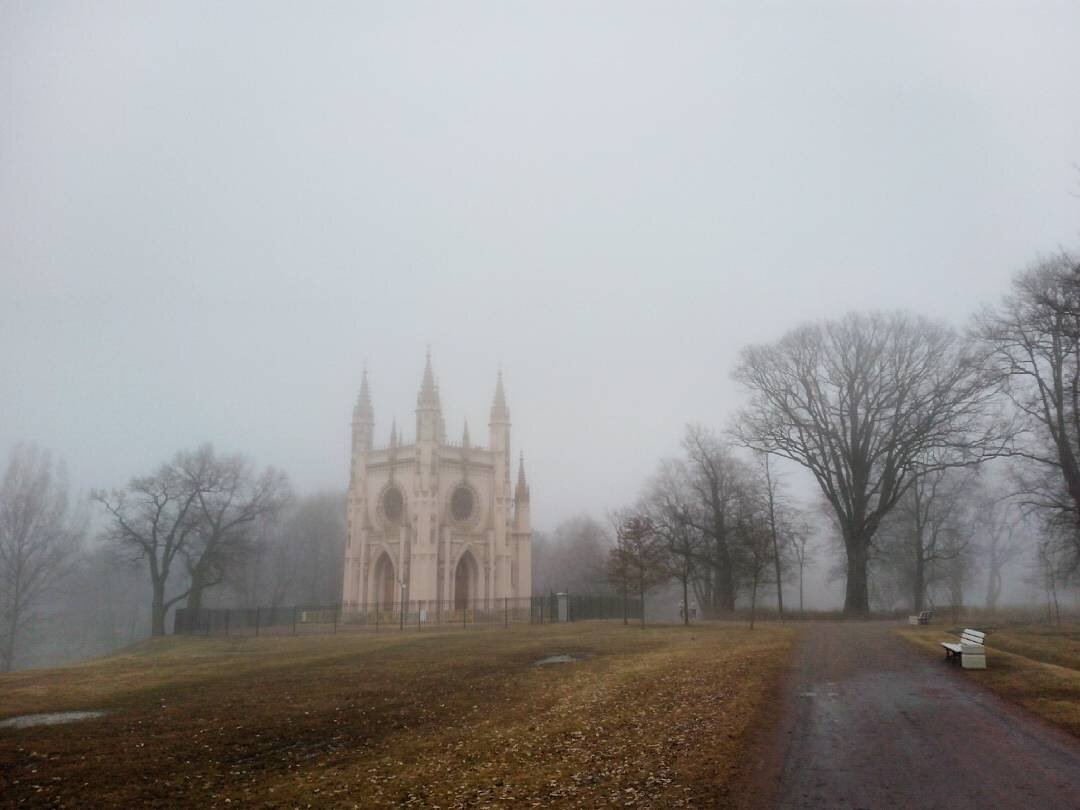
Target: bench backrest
(926, 614)
(972, 637)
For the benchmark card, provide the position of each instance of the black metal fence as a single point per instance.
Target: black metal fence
(417, 615)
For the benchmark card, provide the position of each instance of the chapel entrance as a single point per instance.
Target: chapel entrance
(465, 581)
(385, 580)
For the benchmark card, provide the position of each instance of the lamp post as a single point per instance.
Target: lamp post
(401, 582)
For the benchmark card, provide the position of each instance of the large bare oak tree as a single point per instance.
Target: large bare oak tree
(198, 510)
(867, 403)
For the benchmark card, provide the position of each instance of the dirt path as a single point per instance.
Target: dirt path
(870, 722)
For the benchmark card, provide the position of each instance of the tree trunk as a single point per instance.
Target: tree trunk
(686, 601)
(779, 579)
(157, 610)
(956, 588)
(993, 587)
(641, 593)
(725, 584)
(753, 602)
(7, 653)
(919, 585)
(194, 598)
(857, 594)
(625, 600)
(775, 541)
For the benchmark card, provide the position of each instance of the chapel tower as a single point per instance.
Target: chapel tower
(435, 522)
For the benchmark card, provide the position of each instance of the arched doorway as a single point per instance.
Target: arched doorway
(385, 581)
(466, 579)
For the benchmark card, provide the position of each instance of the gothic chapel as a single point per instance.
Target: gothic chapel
(435, 520)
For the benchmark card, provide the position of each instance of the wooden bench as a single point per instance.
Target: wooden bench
(923, 618)
(970, 653)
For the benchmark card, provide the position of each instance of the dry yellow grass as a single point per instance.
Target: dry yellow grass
(654, 717)
(1051, 645)
(1050, 690)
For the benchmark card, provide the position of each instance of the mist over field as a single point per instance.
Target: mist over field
(598, 404)
(215, 218)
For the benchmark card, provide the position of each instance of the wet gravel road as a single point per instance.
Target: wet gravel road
(869, 721)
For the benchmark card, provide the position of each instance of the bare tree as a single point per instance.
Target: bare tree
(637, 560)
(39, 535)
(231, 498)
(619, 574)
(666, 503)
(193, 508)
(153, 519)
(756, 540)
(573, 558)
(867, 403)
(298, 554)
(930, 525)
(1001, 528)
(777, 524)
(715, 483)
(1048, 574)
(803, 553)
(1034, 336)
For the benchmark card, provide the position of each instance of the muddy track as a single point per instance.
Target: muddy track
(869, 721)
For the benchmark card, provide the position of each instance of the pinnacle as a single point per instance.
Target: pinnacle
(429, 394)
(498, 407)
(521, 493)
(363, 399)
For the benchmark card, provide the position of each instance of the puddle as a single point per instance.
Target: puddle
(558, 659)
(51, 719)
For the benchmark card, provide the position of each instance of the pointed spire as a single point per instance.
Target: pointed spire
(499, 411)
(363, 399)
(521, 493)
(465, 435)
(393, 433)
(441, 422)
(429, 395)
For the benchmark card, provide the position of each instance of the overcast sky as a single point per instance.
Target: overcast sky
(212, 214)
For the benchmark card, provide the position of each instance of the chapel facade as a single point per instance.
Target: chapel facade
(434, 522)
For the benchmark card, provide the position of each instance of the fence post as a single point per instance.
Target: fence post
(257, 610)
(294, 620)
(337, 607)
(418, 628)
(506, 611)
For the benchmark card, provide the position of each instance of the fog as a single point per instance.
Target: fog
(213, 217)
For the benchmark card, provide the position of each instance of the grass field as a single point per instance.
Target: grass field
(654, 717)
(1035, 666)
